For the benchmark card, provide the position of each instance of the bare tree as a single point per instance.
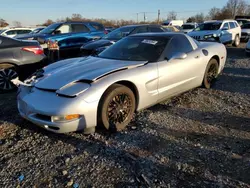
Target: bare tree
(17, 24)
(172, 15)
(48, 22)
(236, 7)
(199, 18)
(76, 17)
(3, 23)
(214, 13)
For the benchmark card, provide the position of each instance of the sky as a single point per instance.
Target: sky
(33, 12)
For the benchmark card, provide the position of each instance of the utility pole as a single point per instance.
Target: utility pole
(159, 13)
(137, 17)
(144, 17)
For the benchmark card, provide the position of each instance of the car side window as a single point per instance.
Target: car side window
(76, 28)
(236, 24)
(140, 30)
(11, 32)
(226, 25)
(155, 29)
(178, 44)
(23, 31)
(232, 26)
(65, 28)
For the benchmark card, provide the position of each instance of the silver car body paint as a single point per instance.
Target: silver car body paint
(75, 86)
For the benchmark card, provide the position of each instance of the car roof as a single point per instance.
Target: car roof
(159, 34)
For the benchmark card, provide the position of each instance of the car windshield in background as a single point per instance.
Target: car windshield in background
(208, 26)
(119, 33)
(187, 26)
(50, 29)
(246, 26)
(136, 49)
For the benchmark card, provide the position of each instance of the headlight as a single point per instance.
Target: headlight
(73, 89)
(31, 38)
(208, 36)
(65, 118)
(52, 45)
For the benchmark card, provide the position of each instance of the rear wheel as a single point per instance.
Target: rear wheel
(236, 41)
(7, 73)
(116, 108)
(211, 73)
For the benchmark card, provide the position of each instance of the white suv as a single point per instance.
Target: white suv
(12, 32)
(225, 31)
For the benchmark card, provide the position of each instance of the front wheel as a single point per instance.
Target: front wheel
(236, 41)
(6, 75)
(116, 108)
(211, 73)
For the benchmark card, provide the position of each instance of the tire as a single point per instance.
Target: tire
(248, 54)
(211, 73)
(116, 108)
(7, 73)
(236, 41)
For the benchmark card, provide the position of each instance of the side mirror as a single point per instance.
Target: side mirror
(225, 28)
(179, 55)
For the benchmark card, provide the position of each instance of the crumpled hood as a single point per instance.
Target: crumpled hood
(202, 33)
(87, 69)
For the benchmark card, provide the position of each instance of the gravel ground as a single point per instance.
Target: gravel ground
(198, 139)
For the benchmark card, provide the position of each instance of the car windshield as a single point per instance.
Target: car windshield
(136, 49)
(208, 26)
(50, 28)
(187, 26)
(119, 33)
(246, 26)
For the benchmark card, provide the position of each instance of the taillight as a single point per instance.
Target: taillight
(38, 50)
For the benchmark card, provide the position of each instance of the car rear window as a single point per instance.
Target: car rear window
(97, 26)
(76, 28)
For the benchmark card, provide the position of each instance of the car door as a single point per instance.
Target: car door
(226, 36)
(179, 75)
(232, 30)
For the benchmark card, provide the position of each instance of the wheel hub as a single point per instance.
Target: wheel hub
(6, 75)
(119, 108)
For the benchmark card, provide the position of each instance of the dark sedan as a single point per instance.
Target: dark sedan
(18, 59)
(97, 46)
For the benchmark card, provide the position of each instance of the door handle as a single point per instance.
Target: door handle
(196, 57)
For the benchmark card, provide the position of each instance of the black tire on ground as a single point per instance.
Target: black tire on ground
(236, 42)
(116, 108)
(248, 54)
(211, 73)
(7, 73)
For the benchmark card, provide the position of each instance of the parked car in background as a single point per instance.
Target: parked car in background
(12, 32)
(17, 60)
(245, 32)
(224, 31)
(173, 22)
(171, 28)
(135, 73)
(58, 32)
(109, 29)
(248, 48)
(97, 46)
(188, 27)
(35, 31)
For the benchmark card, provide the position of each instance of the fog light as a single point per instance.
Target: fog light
(65, 118)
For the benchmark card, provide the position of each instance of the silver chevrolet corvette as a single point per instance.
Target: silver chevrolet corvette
(133, 74)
